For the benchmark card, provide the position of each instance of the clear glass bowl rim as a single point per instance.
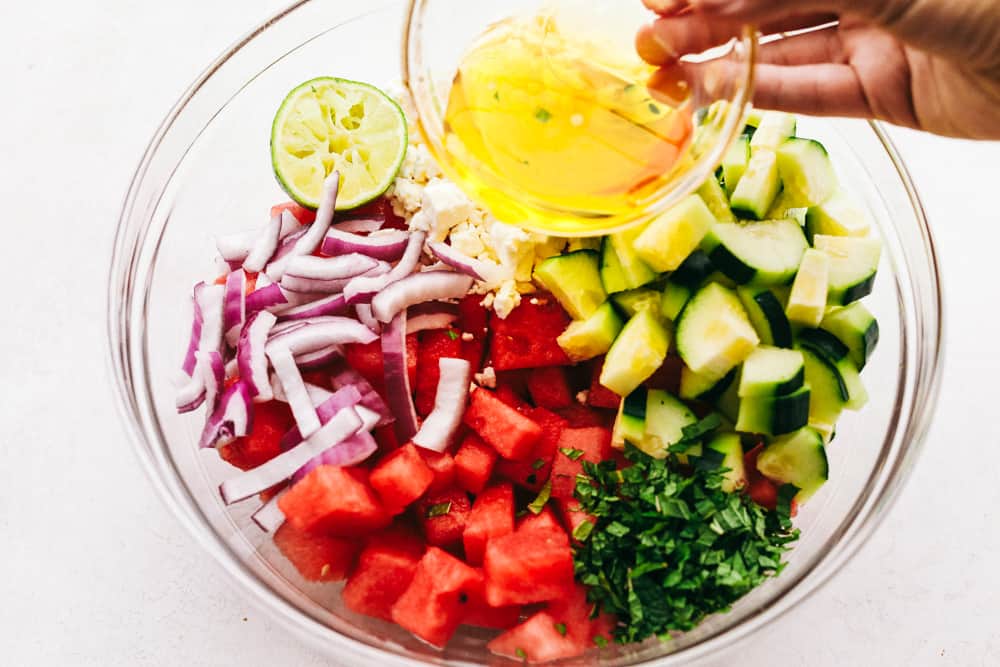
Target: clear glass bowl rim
(131, 391)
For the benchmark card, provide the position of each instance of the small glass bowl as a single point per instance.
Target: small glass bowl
(207, 172)
(438, 33)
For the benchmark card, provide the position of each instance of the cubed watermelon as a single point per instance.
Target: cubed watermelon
(531, 565)
(473, 319)
(474, 463)
(511, 433)
(510, 395)
(575, 446)
(367, 360)
(480, 614)
(442, 464)
(400, 478)
(316, 557)
(378, 209)
(667, 376)
(492, 516)
(385, 569)
(761, 490)
(572, 514)
(533, 472)
(334, 500)
(432, 347)
(271, 420)
(526, 338)
(304, 215)
(386, 438)
(574, 612)
(545, 521)
(581, 416)
(443, 516)
(598, 395)
(433, 605)
(539, 639)
(549, 388)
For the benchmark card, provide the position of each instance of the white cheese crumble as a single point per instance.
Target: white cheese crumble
(488, 378)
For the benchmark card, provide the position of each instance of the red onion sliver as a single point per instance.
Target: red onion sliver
(327, 405)
(363, 288)
(294, 388)
(388, 245)
(397, 379)
(213, 371)
(206, 330)
(449, 405)
(331, 305)
(365, 316)
(312, 337)
(418, 288)
(264, 297)
(330, 268)
(191, 394)
(371, 399)
(350, 452)
(312, 285)
(362, 225)
(251, 358)
(345, 424)
(320, 357)
(234, 306)
(430, 315)
(270, 517)
(482, 271)
(197, 319)
(265, 245)
(232, 418)
(234, 248)
(314, 234)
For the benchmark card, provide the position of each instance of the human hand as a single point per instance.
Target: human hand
(928, 64)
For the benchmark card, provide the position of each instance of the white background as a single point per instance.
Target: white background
(93, 570)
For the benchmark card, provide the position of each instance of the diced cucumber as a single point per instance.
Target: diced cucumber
(630, 424)
(725, 452)
(716, 200)
(853, 264)
(771, 371)
(767, 314)
(636, 354)
(773, 129)
(807, 300)
(754, 117)
(728, 402)
(713, 333)
(574, 279)
(635, 271)
(837, 216)
(704, 388)
(674, 298)
(826, 401)
(667, 241)
(806, 172)
(829, 347)
(612, 275)
(758, 186)
(632, 301)
(694, 270)
(774, 415)
(764, 253)
(666, 418)
(734, 164)
(798, 458)
(856, 328)
(592, 337)
(784, 208)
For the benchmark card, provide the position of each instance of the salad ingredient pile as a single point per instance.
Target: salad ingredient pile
(612, 456)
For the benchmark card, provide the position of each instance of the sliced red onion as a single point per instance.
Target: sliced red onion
(397, 379)
(251, 358)
(312, 286)
(449, 405)
(362, 225)
(191, 393)
(206, 329)
(265, 245)
(232, 368)
(285, 248)
(264, 297)
(294, 388)
(352, 451)
(482, 271)
(430, 315)
(270, 517)
(345, 424)
(371, 399)
(363, 288)
(234, 248)
(388, 245)
(314, 234)
(418, 288)
(213, 372)
(327, 405)
(231, 418)
(312, 337)
(234, 305)
(330, 268)
(334, 304)
(365, 316)
(320, 357)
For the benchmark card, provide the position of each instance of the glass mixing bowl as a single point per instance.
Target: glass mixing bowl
(207, 171)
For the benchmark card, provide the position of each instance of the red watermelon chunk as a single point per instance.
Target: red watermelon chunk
(573, 611)
(316, 557)
(528, 565)
(545, 521)
(572, 514)
(509, 432)
(400, 478)
(433, 605)
(534, 471)
(527, 337)
(492, 516)
(549, 388)
(379, 209)
(667, 376)
(474, 463)
(432, 347)
(474, 320)
(539, 639)
(594, 445)
(600, 396)
(271, 421)
(581, 416)
(334, 500)
(367, 360)
(442, 464)
(304, 215)
(386, 438)
(480, 614)
(385, 569)
(443, 516)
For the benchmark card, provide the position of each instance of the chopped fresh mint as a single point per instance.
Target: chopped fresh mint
(571, 454)
(452, 334)
(439, 509)
(538, 464)
(538, 504)
(543, 115)
(561, 628)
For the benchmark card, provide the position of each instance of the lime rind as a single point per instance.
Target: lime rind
(328, 124)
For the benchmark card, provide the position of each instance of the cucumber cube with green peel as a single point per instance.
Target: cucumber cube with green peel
(667, 241)
(636, 354)
(592, 337)
(574, 279)
(807, 300)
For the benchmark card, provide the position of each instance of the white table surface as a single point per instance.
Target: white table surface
(93, 569)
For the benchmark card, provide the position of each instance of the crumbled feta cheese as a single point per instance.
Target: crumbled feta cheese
(468, 336)
(507, 299)
(514, 249)
(488, 378)
(465, 238)
(534, 301)
(582, 396)
(418, 165)
(406, 197)
(443, 205)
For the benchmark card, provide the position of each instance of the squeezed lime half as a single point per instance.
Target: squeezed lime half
(329, 124)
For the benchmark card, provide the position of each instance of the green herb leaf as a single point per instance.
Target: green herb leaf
(452, 334)
(538, 504)
(561, 628)
(538, 464)
(583, 530)
(654, 108)
(572, 454)
(702, 427)
(542, 115)
(439, 509)
(600, 641)
(519, 652)
(496, 95)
